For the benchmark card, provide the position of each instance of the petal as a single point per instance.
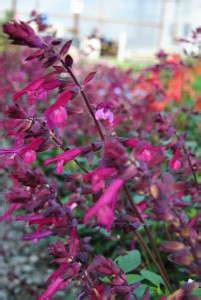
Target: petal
(53, 287)
(38, 235)
(107, 199)
(29, 156)
(60, 166)
(7, 215)
(65, 156)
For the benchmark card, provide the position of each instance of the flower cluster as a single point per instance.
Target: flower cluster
(122, 163)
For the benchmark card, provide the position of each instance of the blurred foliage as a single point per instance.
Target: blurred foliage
(9, 14)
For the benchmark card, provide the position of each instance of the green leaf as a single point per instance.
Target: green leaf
(152, 277)
(133, 278)
(197, 84)
(139, 292)
(138, 198)
(130, 261)
(105, 279)
(197, 292)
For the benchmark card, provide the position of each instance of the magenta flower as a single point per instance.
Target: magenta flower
(37, 90)
(63, 158)
(146, 152)
(53, 287)
(98, 176)
(104, 208)
(7, 215)
(60, 279)
(46, 225)
(22, 34)
(26, 152)
(132, 142)
(29, 156)
(150, 154)
(175, 162)
(104, 114)
(56, 114)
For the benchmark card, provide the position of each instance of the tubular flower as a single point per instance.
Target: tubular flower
(104, 208)
(63, 159)
(175, 162)
(38, 89)
(56, 114)
(98, 176)
(26, 152)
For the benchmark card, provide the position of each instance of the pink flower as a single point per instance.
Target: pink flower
(176, 165)
(63, 158)
(56, 114)
(104, 208)
(149, 153)
(132, 142)
(98, 177)
(104, 114)
(52, 289)
(175, 162)
(37, 90)
(35, 95)
(145, 155)
(146, 152)
(27, 152)
(29, 156)
(7, 215)
(57, 280)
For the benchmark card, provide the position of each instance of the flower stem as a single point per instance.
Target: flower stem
(86, 100)
(159, 264)
(153, 259)
(191, 166)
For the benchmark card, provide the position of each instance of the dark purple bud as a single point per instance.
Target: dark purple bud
(56, 42)
(22, 34)
(68, 61)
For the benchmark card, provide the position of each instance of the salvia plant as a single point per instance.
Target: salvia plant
(105, 167)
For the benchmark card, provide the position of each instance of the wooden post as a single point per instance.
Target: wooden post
(14, 8)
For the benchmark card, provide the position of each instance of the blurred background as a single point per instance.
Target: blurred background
(127, 33)
(121, 29)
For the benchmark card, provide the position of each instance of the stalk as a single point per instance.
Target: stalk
(153, 259)
(86, 100)
(159, 264)
(191, 166)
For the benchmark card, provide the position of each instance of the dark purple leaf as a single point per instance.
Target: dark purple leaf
(65, 47)
(89, 77)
